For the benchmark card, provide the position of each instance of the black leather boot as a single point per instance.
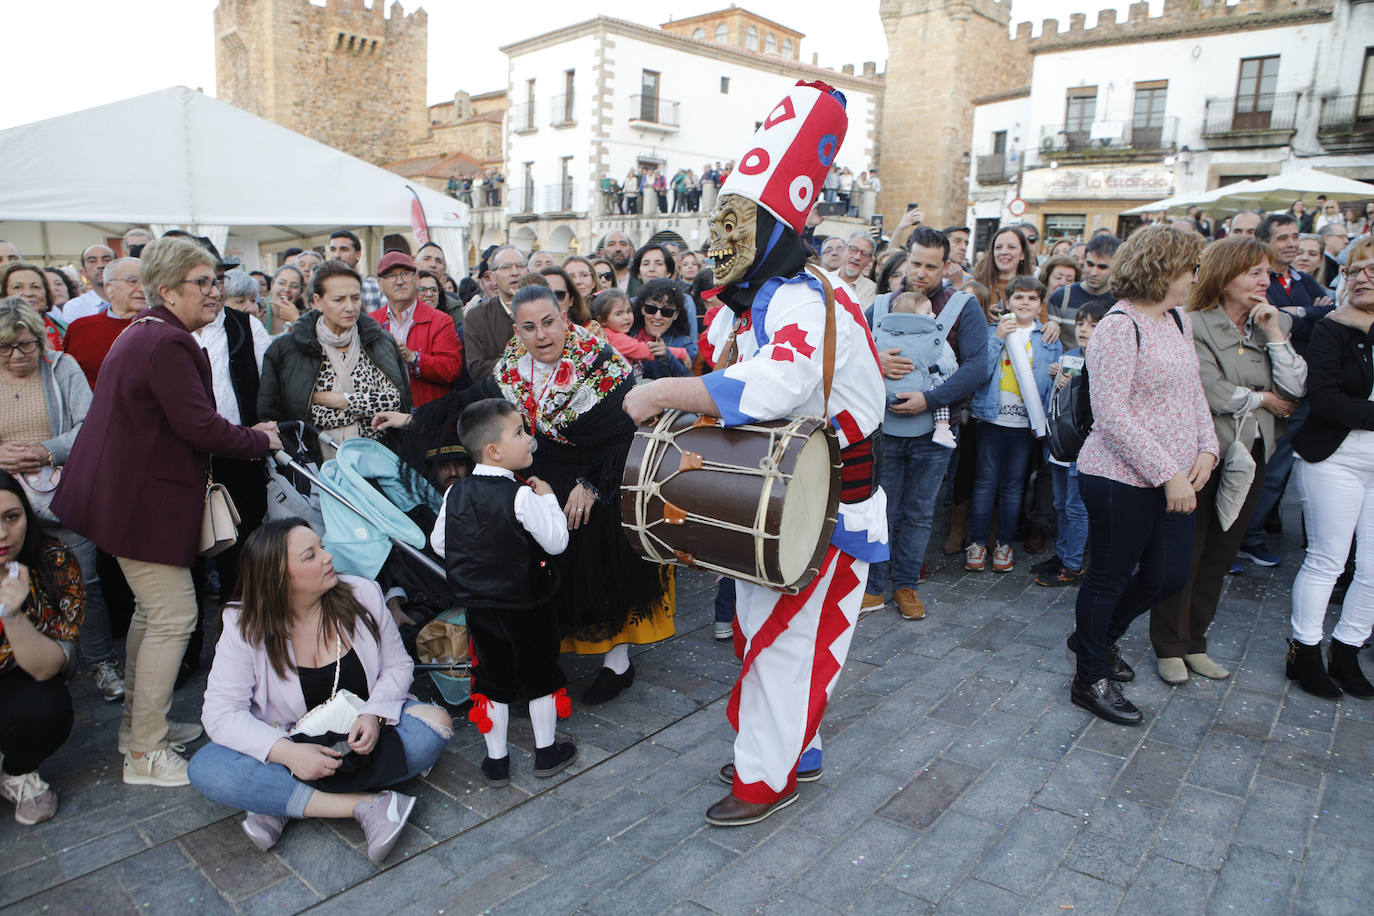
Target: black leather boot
(1305, 666)
(1344, 665)
(1103, 699)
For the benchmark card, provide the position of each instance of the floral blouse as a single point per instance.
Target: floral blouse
(58, 619)
(552, 400)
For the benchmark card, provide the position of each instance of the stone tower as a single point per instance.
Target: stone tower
(345, 74)
(941, 54)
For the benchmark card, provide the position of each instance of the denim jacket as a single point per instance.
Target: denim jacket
(989, 398)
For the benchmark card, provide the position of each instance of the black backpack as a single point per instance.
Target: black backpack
(1071, 409)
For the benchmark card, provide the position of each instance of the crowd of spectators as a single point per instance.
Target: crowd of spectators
(1227, 356)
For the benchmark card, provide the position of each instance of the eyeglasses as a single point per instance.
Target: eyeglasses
(606, 277)
(1033, 239)
(854, 249)
(396, 276)
(205, 284)
(667, 311)
(560, 294)
(25, 348)
(1353, 273)
(429, 291)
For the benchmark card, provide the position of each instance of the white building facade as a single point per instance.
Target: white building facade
(1121, 114)
(604, 97)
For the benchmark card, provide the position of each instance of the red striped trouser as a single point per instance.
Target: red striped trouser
(792, 648)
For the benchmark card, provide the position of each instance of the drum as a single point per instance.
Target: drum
(756, 502)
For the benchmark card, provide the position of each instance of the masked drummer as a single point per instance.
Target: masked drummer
(771, 345)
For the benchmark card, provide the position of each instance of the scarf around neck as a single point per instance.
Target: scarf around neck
(344, 363)
(585, 374)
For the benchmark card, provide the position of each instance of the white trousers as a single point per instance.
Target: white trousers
(792, 649)
(1337, 503)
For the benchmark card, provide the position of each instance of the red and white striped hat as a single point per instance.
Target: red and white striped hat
(792, 152)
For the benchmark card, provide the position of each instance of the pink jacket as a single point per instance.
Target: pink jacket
(248, 708)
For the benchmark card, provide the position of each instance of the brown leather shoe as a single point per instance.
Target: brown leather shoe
(909, 603)
(872, 603)
(731, 812)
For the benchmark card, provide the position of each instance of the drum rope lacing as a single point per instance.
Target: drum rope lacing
(659, 439)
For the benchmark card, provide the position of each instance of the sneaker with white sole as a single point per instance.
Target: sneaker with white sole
(1002, 559)
(264, 829)
(723, 629)
(34, 800)
(179, 734)
(163, 767)
(108, 680)
(976, 558)
(382, 819)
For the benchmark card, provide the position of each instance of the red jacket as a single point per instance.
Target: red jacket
(441, 352)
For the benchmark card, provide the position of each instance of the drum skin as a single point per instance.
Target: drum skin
(713, 509)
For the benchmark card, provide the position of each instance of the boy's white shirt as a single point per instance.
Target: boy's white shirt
(541, 516)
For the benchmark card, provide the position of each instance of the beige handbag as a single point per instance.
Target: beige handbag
(1237, 476)
(219, 524)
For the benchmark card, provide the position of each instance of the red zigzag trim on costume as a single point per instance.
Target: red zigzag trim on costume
(778, 621)
(833, 624)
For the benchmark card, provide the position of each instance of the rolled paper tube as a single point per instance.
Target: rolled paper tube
(1025, 380)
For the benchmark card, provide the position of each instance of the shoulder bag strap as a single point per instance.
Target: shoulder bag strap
(828, 372)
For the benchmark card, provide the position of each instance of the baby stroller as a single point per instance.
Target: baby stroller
(374, 513)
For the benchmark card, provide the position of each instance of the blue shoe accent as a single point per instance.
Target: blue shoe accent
(1237, 568)
(1259, 555)
(810, 760)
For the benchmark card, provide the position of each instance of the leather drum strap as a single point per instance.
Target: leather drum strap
(828, 372)
(828, 369)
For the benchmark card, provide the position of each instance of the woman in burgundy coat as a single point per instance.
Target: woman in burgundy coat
(135, 484)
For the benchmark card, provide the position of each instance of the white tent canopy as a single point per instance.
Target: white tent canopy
(180, 158)
(1279, 191)
(1179, 203)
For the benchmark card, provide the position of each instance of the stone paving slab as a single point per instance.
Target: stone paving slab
(958, 778)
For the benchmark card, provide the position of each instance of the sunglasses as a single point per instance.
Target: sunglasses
(560, 294)
(667, 311)
(607, 277)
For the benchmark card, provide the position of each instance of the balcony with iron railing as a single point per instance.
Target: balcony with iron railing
(1251, 121)
(1109, 139)
(561, 111)
(1346, 124)
(521, 118)
(995, 168)
(652, 112)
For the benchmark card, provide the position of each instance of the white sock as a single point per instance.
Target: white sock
(496, 738)
(618, 659)
(543, 715)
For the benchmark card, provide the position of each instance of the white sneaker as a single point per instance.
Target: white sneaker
(723, 630)
(179, 734)
(107, 680)
(163, 767)
(34, 800)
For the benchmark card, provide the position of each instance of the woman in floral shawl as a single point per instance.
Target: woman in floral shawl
(569, 385)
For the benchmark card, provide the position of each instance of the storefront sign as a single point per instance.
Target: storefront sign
(1146, 183)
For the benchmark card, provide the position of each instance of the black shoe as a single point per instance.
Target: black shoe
(1344, 665)
(1305, 666)
(1273, 522)
(554, 759)
(1050, 566)
(608, 686)
(1059, 578)
(1103, 699)
(496, 772)
(1117, 669)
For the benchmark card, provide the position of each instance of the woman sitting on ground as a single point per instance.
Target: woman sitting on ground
(41, 607)
(300, 635)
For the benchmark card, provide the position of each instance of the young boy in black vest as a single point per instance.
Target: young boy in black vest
(495, 533)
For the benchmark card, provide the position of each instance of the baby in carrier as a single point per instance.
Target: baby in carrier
(910, 327)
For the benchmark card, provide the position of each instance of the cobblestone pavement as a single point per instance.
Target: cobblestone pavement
(957, 779)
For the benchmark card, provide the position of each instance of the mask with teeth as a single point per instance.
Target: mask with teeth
(733, 238)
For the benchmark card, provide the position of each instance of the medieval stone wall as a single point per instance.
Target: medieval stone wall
(346, 74)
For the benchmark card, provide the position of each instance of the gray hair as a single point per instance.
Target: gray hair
(1332, 229)
(17, 315)
(167, 261)
(1309, 237)
(861, 234)
(241, 283)
(137, 231)
(108, 273)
